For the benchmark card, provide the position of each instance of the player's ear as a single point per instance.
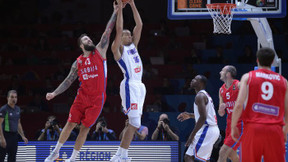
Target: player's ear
(228, 74)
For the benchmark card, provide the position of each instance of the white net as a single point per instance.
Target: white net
(222, 17)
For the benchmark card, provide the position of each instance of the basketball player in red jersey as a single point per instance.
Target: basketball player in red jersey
(265, 96)
(91, 69)
(227, 96)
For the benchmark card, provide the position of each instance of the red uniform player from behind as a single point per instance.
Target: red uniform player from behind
(264, 94)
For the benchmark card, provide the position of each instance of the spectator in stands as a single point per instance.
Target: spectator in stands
(141, 133)
(247, 57)
(111, 88)
(30, 75)
(60, 74)
(186, 89)
(159, 104)
(166, 87)
(173, 44)
(75, 133)
(102, 133)
(164, 132)
(17, 85)
(38, 103)
(149, 72)
(193, 58)
(42, 44)
(218, 59)
(187, 71)
(51, 131)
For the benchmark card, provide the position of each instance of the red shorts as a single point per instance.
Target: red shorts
(228, 141)
(265, 140)
(86, 110)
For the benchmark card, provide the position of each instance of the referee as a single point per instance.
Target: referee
(9, 126)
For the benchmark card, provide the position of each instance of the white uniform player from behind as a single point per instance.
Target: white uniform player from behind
(132, 90)
(206, 131)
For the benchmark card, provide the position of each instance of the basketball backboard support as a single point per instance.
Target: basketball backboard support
(196, 9)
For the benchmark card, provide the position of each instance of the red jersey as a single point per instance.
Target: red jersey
(265, 104)
(92, 73)
(229, 97)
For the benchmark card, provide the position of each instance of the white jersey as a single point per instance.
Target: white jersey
(211, 114)
(130, 63)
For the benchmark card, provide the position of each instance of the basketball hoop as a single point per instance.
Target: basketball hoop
(222, 16)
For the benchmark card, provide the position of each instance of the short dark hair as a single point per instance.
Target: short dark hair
(80, 37)
(11, 91)
(265, 56)
(232, 70)
(102, 119)
(203, 80)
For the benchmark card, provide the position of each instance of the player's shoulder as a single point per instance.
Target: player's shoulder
(246, 76)
(201, 95)
(4, 108)
(222, 87)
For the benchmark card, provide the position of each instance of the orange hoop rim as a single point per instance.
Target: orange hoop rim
(225, 8)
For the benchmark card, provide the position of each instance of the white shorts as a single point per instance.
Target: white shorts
(132, 94)
(202, 145)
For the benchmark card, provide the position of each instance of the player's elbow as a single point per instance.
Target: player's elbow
(140, 24)
(114, 50)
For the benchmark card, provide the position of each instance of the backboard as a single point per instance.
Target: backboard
(196, 9)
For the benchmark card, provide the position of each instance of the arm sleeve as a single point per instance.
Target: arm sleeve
(3, 111)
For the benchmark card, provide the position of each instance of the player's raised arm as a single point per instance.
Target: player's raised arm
(72, 76)
(138, 28)
(116, 45)
(104, 42)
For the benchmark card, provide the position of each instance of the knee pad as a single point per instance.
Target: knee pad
(135, 121)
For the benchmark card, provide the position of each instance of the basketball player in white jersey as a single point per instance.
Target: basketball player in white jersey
(132, 90)
(206, 131)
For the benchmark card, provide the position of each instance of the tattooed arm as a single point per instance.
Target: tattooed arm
(104, 42)
(72, 76)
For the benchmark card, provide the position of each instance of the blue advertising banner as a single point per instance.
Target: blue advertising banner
(100, 151)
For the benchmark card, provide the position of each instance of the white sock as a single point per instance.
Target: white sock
(124, 153)
(74, 154)
(57, 147)
(119, 151)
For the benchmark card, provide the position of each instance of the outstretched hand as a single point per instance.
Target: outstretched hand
(50, 96)
(183, 116)
(25, 140)
(119, 4)
(222, 106)
(115, 6)
(235, 134)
